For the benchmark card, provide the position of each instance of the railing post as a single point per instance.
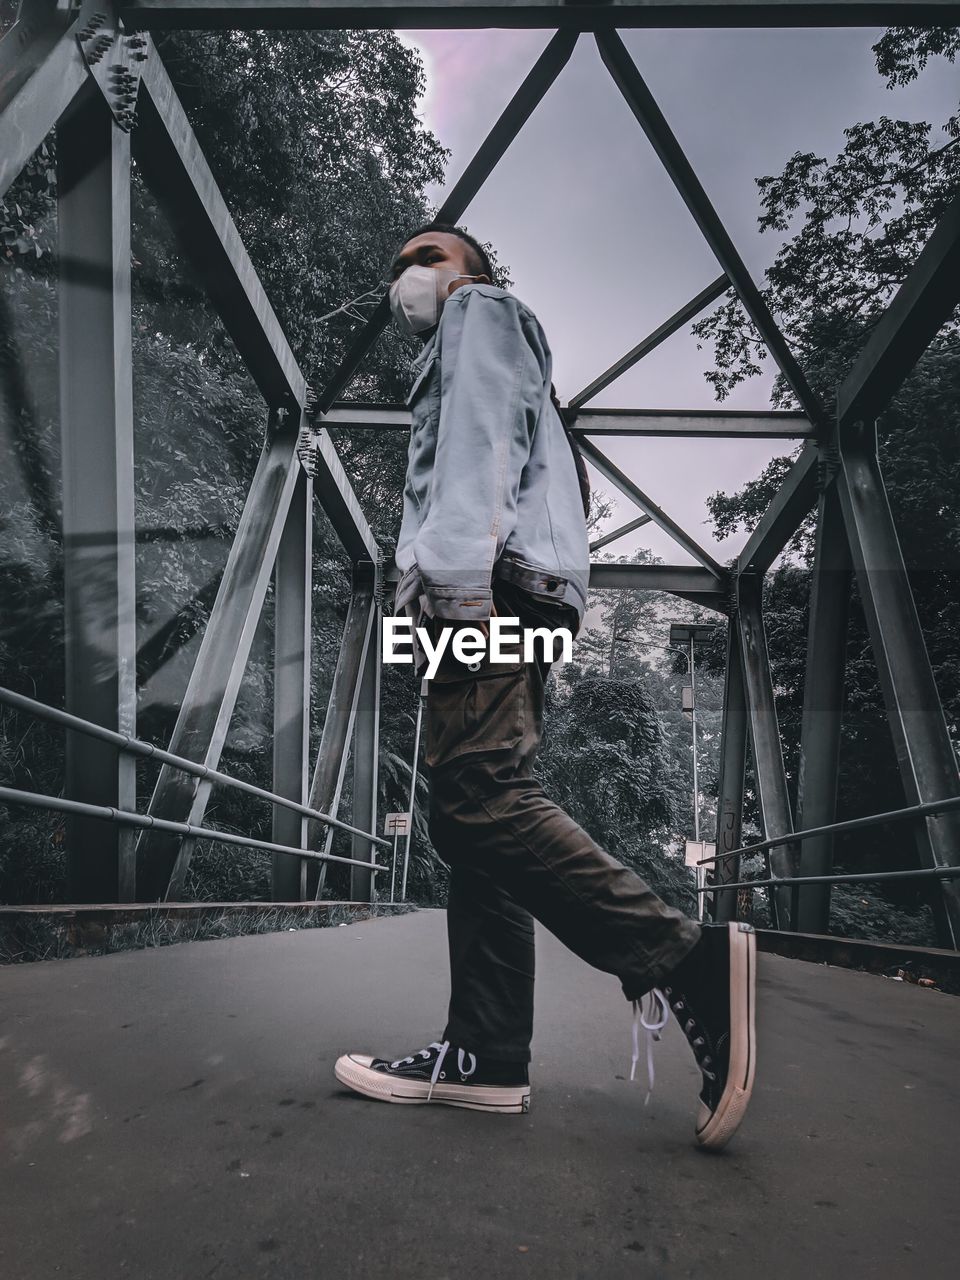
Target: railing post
(822, 707)
(293, 588)
(96, 416)
(366, 751)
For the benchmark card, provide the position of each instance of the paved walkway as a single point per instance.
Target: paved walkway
(173, 1114)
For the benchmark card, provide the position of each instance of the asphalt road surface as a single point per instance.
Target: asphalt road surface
(173, 1114)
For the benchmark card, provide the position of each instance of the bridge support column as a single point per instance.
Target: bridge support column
(331, 767)
(96, 400)
(366, 752)
(822, 708)
(733, 750)
(211, 694)
(765, 739)
(928, 766)
(293, 583)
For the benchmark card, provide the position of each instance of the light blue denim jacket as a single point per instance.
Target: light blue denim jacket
(491, 485)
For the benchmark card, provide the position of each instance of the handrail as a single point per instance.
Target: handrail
(127, 819)
(848, 824)
(943, 873)
(125, 742)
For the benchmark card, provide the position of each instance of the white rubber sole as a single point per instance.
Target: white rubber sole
(715, 1129)
(353, 1070)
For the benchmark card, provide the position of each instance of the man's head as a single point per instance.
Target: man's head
(438, 244)
(434, 261)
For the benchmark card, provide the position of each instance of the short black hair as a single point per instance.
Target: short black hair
(481, 258)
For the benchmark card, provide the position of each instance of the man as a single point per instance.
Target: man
(493, 524)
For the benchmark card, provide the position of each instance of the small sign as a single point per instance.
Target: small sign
(396, 824)
(695, 850)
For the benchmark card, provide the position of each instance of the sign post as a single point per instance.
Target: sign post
(694, 850)
(396, 825)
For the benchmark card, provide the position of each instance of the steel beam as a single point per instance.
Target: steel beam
(720, 424)
(651, 341)
(366, 758)
(821, 721)
(516, 113)
(688, 581)
(630, 527)
(293, 593)
(615, 476)
(34, 94)
(786, 511)
(771, 778)
(96, 415)
(24, 46)
(651, 119)
(211, 694)
(176, 170)
(921, 305)
(928, 766)
(174, 166)
(331, 765)
(733, 754)
(438, 14)
(680, 579)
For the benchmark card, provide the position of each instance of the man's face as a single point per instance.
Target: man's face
(438, 249)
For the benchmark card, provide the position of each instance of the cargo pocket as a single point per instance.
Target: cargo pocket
(474, 711)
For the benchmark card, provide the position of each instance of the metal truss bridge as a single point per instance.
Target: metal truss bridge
(91, 71)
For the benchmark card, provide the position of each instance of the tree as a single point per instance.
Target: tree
(857, 224)
(603, 759)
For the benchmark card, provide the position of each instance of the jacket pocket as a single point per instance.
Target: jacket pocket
(473, 711)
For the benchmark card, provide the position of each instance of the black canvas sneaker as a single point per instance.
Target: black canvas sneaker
(712, 992)
(438, 1074)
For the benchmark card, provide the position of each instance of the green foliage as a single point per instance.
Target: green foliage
(863, 219)
(857, 224)
(603, 760)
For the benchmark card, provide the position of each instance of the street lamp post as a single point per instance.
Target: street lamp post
(691, 634)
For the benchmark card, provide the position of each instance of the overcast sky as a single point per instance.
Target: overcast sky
(598, 242)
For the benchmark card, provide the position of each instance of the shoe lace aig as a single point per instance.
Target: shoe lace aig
(441, 1051)
(658, 1015)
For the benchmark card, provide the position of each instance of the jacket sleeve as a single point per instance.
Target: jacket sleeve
(491, 390)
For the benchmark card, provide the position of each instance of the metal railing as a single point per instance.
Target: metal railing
(136, 746)
(913, 811)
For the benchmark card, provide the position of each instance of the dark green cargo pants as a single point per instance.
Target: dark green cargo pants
(514, 854)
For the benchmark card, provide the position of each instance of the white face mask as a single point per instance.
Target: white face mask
(417, 296)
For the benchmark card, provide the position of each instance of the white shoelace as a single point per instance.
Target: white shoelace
(443, 1046)
(657, 1004)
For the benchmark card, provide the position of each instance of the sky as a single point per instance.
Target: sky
(598, 242)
